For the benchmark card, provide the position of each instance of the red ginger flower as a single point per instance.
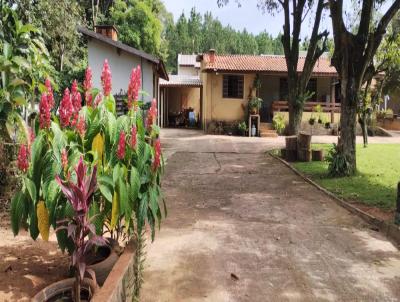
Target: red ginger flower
(106, 78)
(44, 112)
(64, 159)
(66, 109)
(157, 154)
(50, 96)
(133, 137)
(87, 86)
(134, 87)
(151, 114)
(31, 136)
(76, 100)
(22, 159)
(81, 126)
(121, 145)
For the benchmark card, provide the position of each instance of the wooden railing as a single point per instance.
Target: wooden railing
(308, 106)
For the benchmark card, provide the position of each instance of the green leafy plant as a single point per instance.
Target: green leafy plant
(338, 165)
(311, 121)
(255, 104)
(242, 128)
(278, 123)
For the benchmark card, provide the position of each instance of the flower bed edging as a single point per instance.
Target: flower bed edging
(119, 285)
(390, 230)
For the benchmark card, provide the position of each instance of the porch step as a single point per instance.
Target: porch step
(268, 133)
(266, 126)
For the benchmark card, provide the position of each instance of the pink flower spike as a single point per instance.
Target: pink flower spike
(134, 87)
(66, 109)
(81, 126)
(157, 154)
(87, 86)
(106, 78)
(151, 115)
(133, 137)
(64, 159)
(121, 146)
(44, 112)
(50, 96)
(22, 159)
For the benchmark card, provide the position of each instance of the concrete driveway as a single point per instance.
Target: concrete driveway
(243, 227)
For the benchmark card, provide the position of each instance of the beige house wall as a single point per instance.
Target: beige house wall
(183, 97)
(217, 108)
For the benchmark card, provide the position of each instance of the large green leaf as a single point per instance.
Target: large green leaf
(134, 185)
(33, 222)
(106, 192)
(18, 206)
(30, 186)
(125, 207)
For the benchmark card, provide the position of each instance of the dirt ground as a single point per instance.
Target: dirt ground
(243, 227)
(27, 266)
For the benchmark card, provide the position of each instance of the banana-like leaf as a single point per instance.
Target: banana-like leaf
(18, 208)
(31, 188)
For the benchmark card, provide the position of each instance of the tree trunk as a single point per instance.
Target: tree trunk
(348, 121)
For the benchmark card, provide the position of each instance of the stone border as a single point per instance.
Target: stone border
(391, 230)
(119, 285)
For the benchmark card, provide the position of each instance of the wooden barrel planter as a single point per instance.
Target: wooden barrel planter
(317, 155)
(291, 148)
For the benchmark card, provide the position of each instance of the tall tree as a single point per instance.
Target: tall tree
(295, 13)
(353, 59)
(138, 24)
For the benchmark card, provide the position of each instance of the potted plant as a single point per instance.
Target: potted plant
(311, 121)
(327, 125)
(126, 151)
(255, 105)
(242, 128)
(278, 123)
(81, 231)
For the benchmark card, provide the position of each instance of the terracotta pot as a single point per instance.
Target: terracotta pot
(102, 262)
(62, 291)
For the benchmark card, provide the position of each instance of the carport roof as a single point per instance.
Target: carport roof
(181, 81)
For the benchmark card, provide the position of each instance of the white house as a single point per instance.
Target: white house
(103, 44)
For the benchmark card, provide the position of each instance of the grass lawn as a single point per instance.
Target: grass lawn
(376, 181)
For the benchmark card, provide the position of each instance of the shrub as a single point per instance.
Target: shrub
(125, 149)
(338, 165)
(242, 128)
(278, 123)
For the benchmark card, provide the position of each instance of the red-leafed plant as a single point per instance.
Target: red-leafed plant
(80, 228)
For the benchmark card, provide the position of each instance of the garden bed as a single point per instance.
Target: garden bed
(27, 266)
(373, 189)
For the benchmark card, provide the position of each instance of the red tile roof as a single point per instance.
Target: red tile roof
(263, 63)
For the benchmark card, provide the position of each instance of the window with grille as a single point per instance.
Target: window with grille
(233, 87)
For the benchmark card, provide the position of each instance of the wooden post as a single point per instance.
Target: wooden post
(201, 108)
(304, 147)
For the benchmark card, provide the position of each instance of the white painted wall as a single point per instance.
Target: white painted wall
(121, 65)
(188, 70)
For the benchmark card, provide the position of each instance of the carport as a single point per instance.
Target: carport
(181, 102)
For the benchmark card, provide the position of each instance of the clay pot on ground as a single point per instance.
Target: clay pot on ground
(103, 259)
(63, 291)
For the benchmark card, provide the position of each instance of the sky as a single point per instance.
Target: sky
(247, 16)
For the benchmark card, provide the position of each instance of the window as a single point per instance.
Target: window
(312, 88)
(284, 90)
(233, 87)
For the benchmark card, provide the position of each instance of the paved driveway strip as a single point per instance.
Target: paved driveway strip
(243, 227)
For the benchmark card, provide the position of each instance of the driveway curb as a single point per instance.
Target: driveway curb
(391, 230)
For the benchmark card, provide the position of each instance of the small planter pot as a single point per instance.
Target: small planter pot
(103, 260)
(63, 291)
